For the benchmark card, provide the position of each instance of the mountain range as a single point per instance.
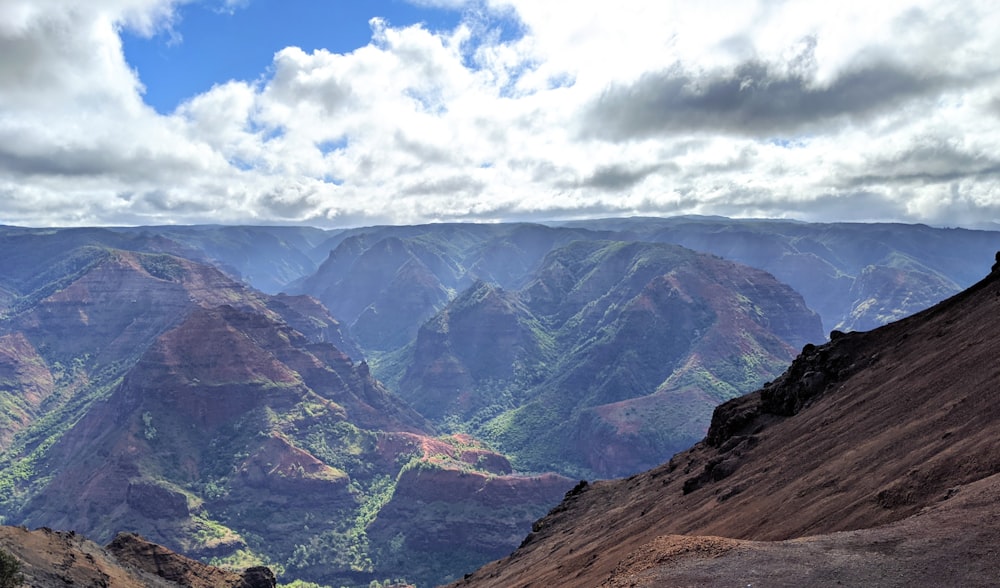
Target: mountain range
(871, 461)
(611, 357)
(149, 392)
(420, 395)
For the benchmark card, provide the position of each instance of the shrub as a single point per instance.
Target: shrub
(10, 571)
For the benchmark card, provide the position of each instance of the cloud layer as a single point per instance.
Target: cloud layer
(818, 111)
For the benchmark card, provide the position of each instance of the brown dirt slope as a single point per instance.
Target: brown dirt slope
(55, 558)
(873, 460)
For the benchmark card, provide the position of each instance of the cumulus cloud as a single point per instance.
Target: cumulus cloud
(846, 111)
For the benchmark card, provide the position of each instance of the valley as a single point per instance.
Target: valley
(403, 403)
(871, 461)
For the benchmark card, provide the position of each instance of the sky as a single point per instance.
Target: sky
(337, 113)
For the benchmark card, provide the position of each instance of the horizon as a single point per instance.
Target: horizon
(985, 226)
(340, 114)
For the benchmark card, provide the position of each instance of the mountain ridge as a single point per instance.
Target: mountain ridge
(50, 559)
(582, 355)
(860, 436)
(184, 406)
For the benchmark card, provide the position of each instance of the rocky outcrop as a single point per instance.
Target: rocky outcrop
(816, 370)
(279, 468)
(133, 550)
(53, 559)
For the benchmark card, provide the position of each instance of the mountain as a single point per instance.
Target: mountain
(873, 461)
(448, 319)
(268, 258)
(609, 359)
(385, 282)
(150, 393)
(51, 559)
(147, 385)
(857, 276)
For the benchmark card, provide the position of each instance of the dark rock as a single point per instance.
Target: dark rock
(730, 418)
(580, 487)
(258, 577)
(136, 552)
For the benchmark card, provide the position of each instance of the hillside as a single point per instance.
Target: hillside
(857, 276)
(139, 366)
(385, 282)
(268, 258)
(534, 339)
(52, 559)
(871, 461)
(149, 393)
(610, 359)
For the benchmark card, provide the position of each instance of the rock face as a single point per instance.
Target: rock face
(157, 560)
(51, 559)
(871, 461)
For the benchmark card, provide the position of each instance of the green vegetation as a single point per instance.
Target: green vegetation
(547, 345)
(162, 266)
(149, 431)
(10, 570)
(602, 322)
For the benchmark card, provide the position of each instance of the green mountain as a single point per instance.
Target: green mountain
(609, 360)
(873, 460)
(148, 393)
(148, 384)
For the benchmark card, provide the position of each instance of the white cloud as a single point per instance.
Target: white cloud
(850, 110)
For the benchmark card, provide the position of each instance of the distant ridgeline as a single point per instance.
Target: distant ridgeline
(156, 380)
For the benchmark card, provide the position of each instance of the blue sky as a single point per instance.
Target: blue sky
(211, 44)
(334, 113)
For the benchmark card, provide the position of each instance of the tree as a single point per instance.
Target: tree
(10, 571)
